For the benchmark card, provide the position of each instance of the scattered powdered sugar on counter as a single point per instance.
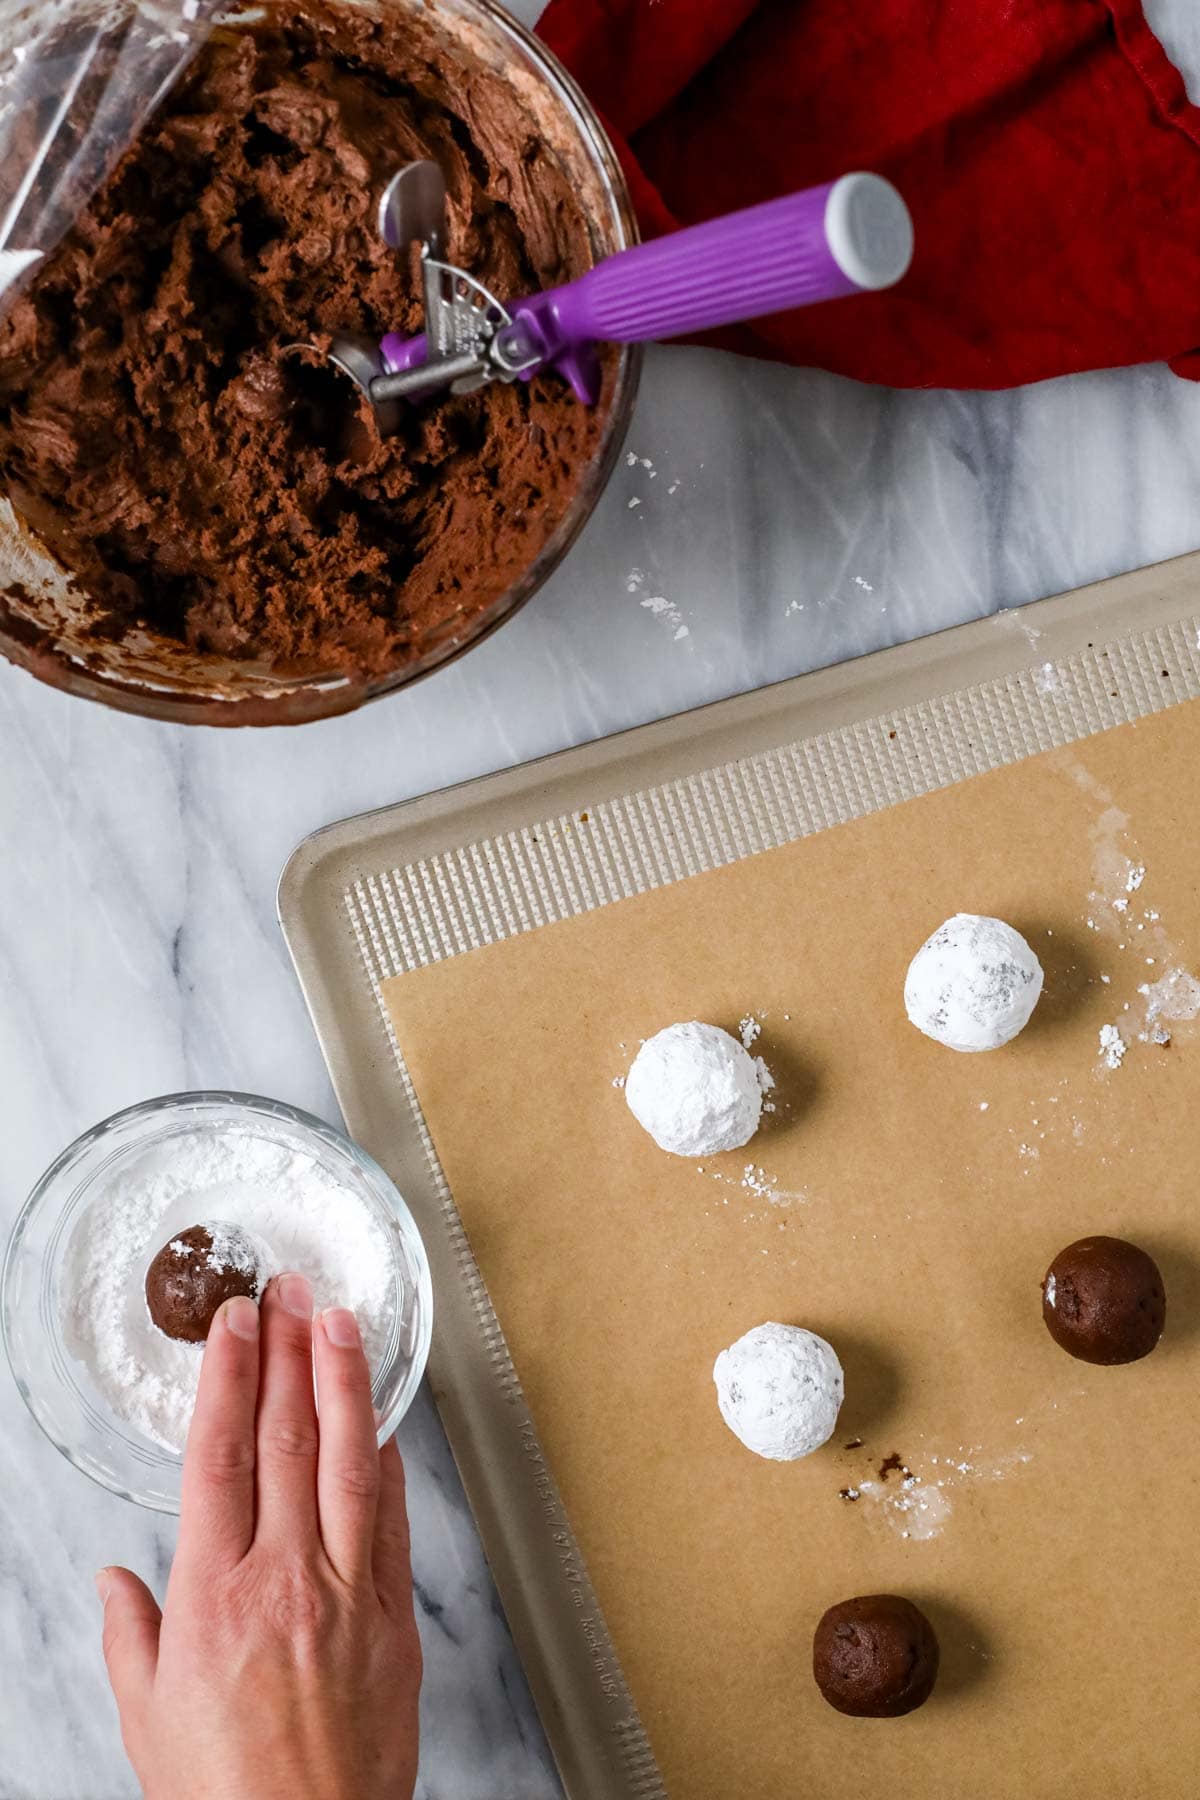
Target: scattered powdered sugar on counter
(657, 605)
(662, 608)
(308, 1220)
(1112, 1047)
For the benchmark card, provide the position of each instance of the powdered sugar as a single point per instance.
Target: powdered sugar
(231, 1247)
(1175, 996)
(759, 1182)
(916, 1509)
(1172, 994)
(657, 605)
(306, 1219)
(918, 1505)
(662, 608)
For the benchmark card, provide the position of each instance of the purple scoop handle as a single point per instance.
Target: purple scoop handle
(841, 238)
(763, 260)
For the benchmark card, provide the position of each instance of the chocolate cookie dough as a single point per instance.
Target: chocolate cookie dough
(197, 1272)
(875, 1657)
(197, 481)
(1103, 1301)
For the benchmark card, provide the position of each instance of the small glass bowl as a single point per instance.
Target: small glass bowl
(58, 1390)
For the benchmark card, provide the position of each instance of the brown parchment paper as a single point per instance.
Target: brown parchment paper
(917, 1196)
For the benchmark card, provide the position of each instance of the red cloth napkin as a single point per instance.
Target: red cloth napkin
(1046, 149)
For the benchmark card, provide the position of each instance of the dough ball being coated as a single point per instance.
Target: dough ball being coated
(875, 1657)
(695, 1090)
(197, 1271)
(1103, 1301)
(974, 984)
(780, 1389)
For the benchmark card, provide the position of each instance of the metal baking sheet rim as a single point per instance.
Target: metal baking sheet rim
(873, 732)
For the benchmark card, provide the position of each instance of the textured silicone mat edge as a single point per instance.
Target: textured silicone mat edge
(374, 897)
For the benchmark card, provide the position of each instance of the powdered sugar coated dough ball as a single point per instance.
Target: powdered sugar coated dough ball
(974, 984)
(780, 1390)
(695, 1090)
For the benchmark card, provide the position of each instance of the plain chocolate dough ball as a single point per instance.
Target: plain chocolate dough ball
(1103, 1301)
(875, 1657)
(196, 1273)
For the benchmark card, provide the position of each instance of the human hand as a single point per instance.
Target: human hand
(285, 1663)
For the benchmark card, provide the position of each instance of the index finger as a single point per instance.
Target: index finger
(216, 1513)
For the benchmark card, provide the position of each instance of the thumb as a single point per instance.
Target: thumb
(131, 1625)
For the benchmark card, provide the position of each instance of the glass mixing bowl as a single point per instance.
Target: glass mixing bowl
(59, 1391)
(159, 678)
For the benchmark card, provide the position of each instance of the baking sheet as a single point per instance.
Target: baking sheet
(904, 1202)
(426, 881)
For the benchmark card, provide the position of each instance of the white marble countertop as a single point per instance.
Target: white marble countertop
(791, 520)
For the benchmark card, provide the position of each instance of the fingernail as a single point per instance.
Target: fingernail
(241, 1317)
(295, 1295)
(103, 1582)
(341, 1328)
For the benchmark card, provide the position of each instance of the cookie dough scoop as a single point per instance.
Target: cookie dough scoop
(848, 236)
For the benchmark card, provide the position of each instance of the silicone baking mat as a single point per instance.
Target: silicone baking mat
(613, 1273)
